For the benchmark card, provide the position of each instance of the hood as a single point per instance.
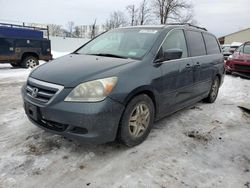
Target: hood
(73, 69)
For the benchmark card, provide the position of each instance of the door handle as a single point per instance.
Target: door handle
(188, 66)
(198, 64)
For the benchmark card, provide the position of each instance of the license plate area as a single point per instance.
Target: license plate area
(31, 111)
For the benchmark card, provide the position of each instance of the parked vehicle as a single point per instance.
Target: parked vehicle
(23, 46)
(118, 84)
(229, 49)
(226, 50)
(240, 60)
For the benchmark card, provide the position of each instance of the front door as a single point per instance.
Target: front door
(177, 75)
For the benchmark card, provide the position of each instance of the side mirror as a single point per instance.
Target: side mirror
(172, 54)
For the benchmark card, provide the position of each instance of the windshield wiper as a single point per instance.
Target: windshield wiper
(109, 55)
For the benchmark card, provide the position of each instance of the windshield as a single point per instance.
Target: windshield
(226, 48)
(122, 43)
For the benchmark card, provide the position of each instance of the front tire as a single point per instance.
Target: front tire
(228, 72)
(29, 62)
(213, 91)
(136, 121)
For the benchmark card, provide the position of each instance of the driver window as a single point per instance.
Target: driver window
(175, 40)
(247, 49)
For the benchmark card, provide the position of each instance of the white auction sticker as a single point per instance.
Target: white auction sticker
(132, 53)
(148, 31)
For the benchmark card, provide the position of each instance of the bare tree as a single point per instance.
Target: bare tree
(77, 31)
(144, 12)
(116, 19)
(133, 14)
(93, 30)
(170, 9)
(70, 26)
(187, 17)
(55, 30)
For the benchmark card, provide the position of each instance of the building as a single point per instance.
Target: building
(85, 31)
(239, 36)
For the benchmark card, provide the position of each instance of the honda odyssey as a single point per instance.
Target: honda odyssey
(115, 86)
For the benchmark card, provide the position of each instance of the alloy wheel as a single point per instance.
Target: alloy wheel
(139, 120)
(214, 90)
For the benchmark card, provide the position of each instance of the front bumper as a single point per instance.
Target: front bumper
(87, 122)
(237, 66)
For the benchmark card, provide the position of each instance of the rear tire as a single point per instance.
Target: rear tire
(136, 121)
(29, 62)
(213, 91)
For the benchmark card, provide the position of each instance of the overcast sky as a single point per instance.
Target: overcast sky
(218, 16)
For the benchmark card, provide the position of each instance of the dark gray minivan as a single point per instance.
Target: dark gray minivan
(115, 86)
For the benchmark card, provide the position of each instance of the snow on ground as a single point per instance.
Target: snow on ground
(203, 146)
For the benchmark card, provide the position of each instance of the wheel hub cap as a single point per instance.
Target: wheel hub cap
(139, 120)
(31, 63)
(214, 89)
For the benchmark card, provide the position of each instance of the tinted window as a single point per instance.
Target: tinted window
(211, 44)
(196, 43)
(175, 40)
(247, 49)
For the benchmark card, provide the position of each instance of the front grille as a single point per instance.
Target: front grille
(43, 95)
(42, 92)
(242, 67)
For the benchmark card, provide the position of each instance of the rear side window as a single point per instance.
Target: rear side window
(176, 40)
(196, 43)
(211, 44)
(246, 49)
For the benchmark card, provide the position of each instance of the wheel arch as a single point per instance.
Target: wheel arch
(27, 54)
(147, 90)
(220, 78)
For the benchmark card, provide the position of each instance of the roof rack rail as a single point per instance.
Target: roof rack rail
(28, 27)
(187, 24)
(23, 26)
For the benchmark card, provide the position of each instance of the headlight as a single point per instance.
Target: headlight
(230, 57)
(92, 91)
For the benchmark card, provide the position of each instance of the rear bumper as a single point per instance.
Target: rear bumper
(85, 122)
